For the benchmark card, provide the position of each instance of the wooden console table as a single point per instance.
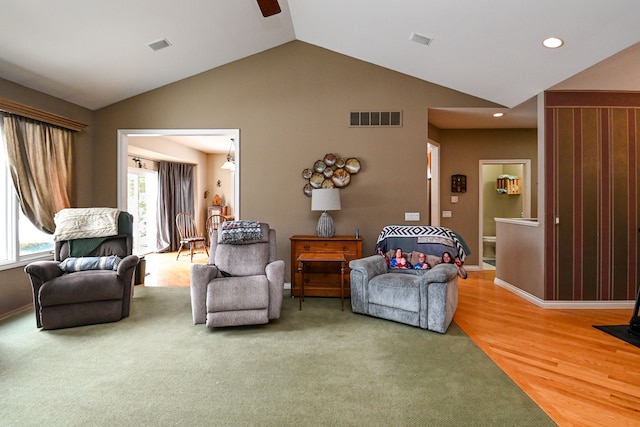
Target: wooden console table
(305, 258)
(322, 279)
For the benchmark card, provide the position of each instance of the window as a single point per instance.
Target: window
(142, 194)
(21, 241)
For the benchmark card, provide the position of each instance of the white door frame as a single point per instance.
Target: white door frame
(435, 182)
(123, 145)
(526, 200)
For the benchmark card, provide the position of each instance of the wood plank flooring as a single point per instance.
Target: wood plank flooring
(577, 374)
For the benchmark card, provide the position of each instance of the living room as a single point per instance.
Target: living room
(291, 104)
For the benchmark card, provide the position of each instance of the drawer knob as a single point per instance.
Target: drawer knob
(307, 247)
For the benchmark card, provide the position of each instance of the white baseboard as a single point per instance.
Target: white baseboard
(563, 304)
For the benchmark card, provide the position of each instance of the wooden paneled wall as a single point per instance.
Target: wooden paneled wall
(592, 162)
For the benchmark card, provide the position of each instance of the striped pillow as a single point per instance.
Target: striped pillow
(90, 263)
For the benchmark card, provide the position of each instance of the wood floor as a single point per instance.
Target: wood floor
(577, 374)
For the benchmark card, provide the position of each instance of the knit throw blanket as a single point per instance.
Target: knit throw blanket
(240, 231)
(83, 223)
(426, 234)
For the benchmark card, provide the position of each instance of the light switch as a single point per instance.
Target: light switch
(454, 199)
(412, 216)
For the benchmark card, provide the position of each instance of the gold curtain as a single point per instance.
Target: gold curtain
(39, 158)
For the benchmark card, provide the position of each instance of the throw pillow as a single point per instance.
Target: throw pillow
(90, 263)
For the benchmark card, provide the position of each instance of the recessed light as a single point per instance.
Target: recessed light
(552, 42)
(498, 114)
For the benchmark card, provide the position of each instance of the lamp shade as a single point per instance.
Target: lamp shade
(325, 199)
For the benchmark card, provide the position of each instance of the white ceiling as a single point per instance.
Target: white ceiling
(95, 53)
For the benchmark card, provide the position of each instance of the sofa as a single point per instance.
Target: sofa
(424, 298)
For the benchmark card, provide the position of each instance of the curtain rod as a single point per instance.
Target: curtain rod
(132, 156)
(43, 116)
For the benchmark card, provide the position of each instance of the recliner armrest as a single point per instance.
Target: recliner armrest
(126, 263)
(371, 266)
(201, 275)
(363, 270)
(44, 270)
(275, 275)
(441, 273)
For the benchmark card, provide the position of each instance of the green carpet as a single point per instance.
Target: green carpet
(318, 366)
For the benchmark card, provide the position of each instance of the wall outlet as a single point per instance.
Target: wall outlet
(446, 214)
(412, 216)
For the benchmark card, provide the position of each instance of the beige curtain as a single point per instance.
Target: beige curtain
(39, 158)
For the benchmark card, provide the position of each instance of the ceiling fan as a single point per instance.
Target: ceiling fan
(269, 7)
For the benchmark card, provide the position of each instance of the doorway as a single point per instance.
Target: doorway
(433, 182)
(495, 202)
(226, 135)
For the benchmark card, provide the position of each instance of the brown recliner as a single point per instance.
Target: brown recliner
(63, 300)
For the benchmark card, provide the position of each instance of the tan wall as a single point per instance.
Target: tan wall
(292, 105)
(520, 256)
(460, 153)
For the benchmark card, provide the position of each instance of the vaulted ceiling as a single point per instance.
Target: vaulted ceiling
(95, 53)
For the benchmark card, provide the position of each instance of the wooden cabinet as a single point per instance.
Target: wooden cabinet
(322, 279)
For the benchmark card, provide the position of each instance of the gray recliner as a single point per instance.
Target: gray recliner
(427, 299)
(242, 284)
(65, 299)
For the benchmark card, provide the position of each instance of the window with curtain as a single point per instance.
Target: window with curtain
(34, 181)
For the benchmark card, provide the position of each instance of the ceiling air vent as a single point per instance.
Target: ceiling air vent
(160, 44)
(375, 119)
(419, 38)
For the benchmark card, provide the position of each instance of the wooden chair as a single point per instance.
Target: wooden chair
(212, 224)
(189, 233)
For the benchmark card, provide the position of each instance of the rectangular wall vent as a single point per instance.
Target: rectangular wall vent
(375, 118)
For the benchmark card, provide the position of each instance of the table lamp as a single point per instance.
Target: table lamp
(325, 199)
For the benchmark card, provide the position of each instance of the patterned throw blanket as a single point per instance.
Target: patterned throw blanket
(425, 234)
(240, 231)
(82, 223)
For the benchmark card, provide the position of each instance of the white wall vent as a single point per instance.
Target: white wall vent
(375, 119)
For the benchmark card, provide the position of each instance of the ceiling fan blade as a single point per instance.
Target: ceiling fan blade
(269, 7)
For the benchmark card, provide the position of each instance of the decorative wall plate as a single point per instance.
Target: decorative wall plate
(352, 165)
(316, 180)
(329, 159)
(333, 171)
(319, 166)
(341, 178)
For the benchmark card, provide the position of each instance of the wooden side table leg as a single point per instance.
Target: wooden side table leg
(342, 284)
(301, 297)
